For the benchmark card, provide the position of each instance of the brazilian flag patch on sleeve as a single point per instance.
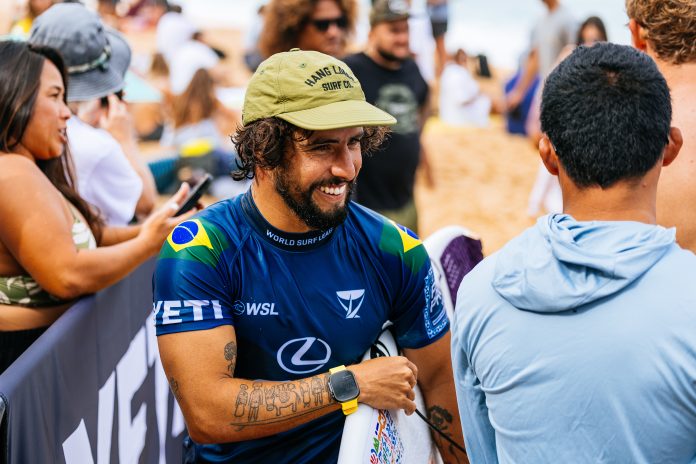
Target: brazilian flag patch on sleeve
(195, 240)
(399, 241)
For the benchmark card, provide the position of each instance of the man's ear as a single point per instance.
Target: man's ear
(673, 146)
(638, 35)
(548, 155)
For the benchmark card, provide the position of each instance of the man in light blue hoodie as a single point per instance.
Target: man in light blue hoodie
(577, 341)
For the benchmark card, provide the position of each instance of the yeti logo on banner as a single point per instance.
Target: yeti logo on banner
(351, 300)
(303, 355)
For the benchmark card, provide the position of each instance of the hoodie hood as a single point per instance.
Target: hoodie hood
(561, 264)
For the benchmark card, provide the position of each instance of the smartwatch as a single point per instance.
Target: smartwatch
(344, 389)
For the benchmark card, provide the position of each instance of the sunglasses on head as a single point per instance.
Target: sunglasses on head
(323, 25)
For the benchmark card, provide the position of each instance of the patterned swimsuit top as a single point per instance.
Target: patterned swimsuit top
(23, 290)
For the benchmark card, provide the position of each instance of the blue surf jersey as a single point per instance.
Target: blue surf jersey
(300, 304)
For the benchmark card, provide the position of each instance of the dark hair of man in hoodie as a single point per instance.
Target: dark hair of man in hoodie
(607, 111)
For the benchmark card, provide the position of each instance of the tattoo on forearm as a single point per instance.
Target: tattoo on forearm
(288, 400)
(242, 425)
(442, 418)
(231, 357)
(304, 389)
(174, 385)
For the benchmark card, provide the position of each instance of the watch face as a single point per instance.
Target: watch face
(343, 386)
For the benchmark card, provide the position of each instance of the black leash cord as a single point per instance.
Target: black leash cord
(442, 434)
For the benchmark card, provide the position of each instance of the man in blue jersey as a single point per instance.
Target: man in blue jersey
(262, 301)
(575, 342)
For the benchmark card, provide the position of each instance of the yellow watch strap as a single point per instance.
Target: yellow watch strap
(349, 407)
(333, 370)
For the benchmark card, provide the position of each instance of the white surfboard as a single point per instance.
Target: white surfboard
(372, 436)
(375, 436)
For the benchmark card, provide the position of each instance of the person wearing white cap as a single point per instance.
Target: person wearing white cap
(101, 136)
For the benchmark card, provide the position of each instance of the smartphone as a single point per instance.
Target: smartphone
(197, 191)
(104, 101)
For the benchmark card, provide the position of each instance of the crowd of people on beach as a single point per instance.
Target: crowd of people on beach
(573, 343)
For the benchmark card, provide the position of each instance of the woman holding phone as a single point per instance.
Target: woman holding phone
(54, 247)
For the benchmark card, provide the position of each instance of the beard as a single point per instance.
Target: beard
(389, 56)
(304, 206)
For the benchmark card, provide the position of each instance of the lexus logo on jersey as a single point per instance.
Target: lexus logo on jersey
(351, 300)
(303, 355)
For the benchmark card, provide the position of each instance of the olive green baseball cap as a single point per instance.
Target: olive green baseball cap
(310, 90)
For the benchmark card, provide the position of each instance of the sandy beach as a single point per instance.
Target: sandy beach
(483, 179)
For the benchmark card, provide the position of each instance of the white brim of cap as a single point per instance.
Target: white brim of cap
(339, 115)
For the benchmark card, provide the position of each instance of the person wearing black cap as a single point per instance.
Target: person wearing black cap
(393, 83)
(101, 136)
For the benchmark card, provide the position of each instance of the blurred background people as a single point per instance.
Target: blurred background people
(421, 41)
(196, 134)
(591, 31)
(320, 25)
(34, 8)
(173, 30)
(252, 52)
(551, 34)
(461, 100)
(438, 12)
(54, 246)
(391, 81)
(110, 172)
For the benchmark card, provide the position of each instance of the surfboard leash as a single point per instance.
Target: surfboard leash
(440, 432)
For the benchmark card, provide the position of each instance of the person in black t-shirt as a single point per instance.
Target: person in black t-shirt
(391, 81)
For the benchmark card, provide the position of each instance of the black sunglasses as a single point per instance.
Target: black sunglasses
(323, 25)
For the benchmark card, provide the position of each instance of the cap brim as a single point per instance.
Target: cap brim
(349, 113)
(93, 84)
(98, 83)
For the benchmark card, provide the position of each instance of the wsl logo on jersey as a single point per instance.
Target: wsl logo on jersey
(189, 234)
(351, 300)
(254, 309)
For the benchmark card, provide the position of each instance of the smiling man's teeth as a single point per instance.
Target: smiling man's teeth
(333, 190)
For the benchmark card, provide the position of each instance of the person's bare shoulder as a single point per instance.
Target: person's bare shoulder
(12, 164)
(20, 175)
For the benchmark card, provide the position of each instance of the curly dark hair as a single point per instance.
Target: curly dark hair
(670, 27)
(263, 144)
(285, 19)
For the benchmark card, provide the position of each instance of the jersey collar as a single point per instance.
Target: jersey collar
(285, 240)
